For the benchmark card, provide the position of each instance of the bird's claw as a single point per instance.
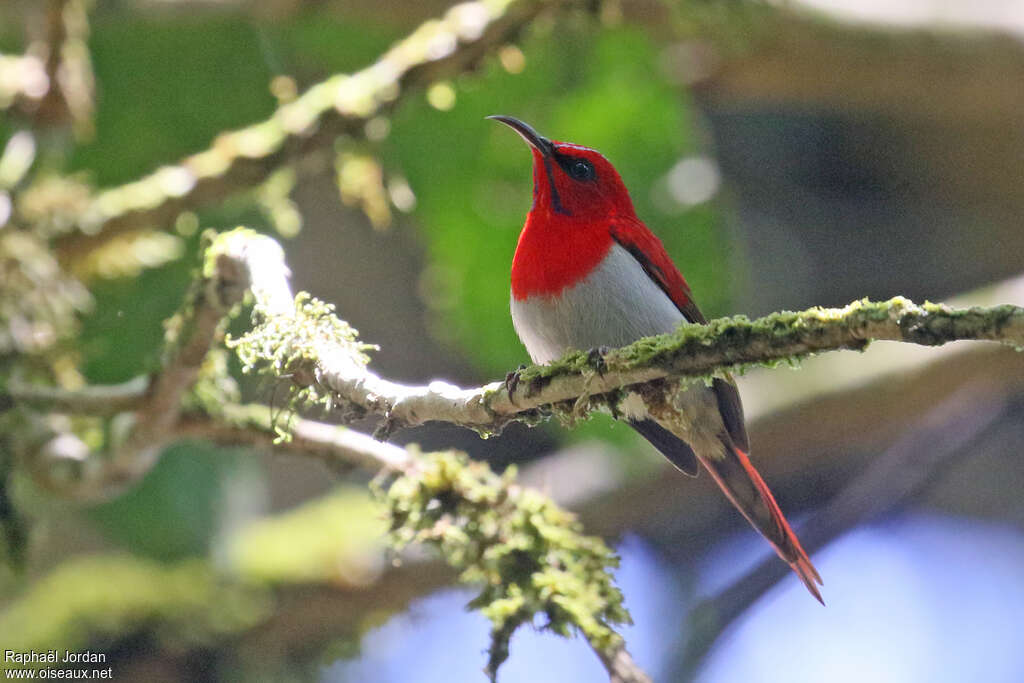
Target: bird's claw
(512, 379)
(595, 358)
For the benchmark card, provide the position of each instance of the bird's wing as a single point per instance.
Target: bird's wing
(647, 249)
(731, 408)
(671, 446)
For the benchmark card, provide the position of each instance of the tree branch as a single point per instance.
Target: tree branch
(68, 100)
(53, 83)
(576, 384)
(242, 260)
(341, 447)
(340, 105)
(23, 80)
(307, 349)
(621, 668)
(312, 350)
(100, 400)
(65, 465)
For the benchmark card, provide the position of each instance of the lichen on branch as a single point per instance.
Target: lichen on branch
(332, 362)
(290, 346)
(529, 555)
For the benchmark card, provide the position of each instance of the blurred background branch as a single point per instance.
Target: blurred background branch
(341, 105)
(64, 464)
(52, 83)
(68, 102)
(23, 78)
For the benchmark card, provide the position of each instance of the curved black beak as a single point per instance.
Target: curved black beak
(526, 132)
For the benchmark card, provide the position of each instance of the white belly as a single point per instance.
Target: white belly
(616, 304)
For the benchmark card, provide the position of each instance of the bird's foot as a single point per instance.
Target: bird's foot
(512, 379)
(595, 358)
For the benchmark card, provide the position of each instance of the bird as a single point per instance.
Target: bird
(588, 274)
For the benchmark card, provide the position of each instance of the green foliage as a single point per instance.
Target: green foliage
(336, 539)
(136, 309)
(96, 602)
(174, 512)
(320, 41)
(212, 77)
(530, 555)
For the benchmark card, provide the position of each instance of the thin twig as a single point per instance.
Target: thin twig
(621, 668)
(99, 400)
(340, 447)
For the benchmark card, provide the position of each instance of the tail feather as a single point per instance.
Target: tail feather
(741, 483)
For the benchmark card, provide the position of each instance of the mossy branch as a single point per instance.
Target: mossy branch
(300, 339)
(306, 343)
(529, 555)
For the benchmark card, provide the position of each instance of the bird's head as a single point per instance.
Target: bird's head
(571, 183)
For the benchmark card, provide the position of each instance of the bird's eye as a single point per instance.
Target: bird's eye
(581, 169)
(577, 168)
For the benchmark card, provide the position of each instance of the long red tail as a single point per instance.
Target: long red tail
(746, 489)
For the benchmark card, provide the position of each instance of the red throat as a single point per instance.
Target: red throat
(554, 252)
(568, 231)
